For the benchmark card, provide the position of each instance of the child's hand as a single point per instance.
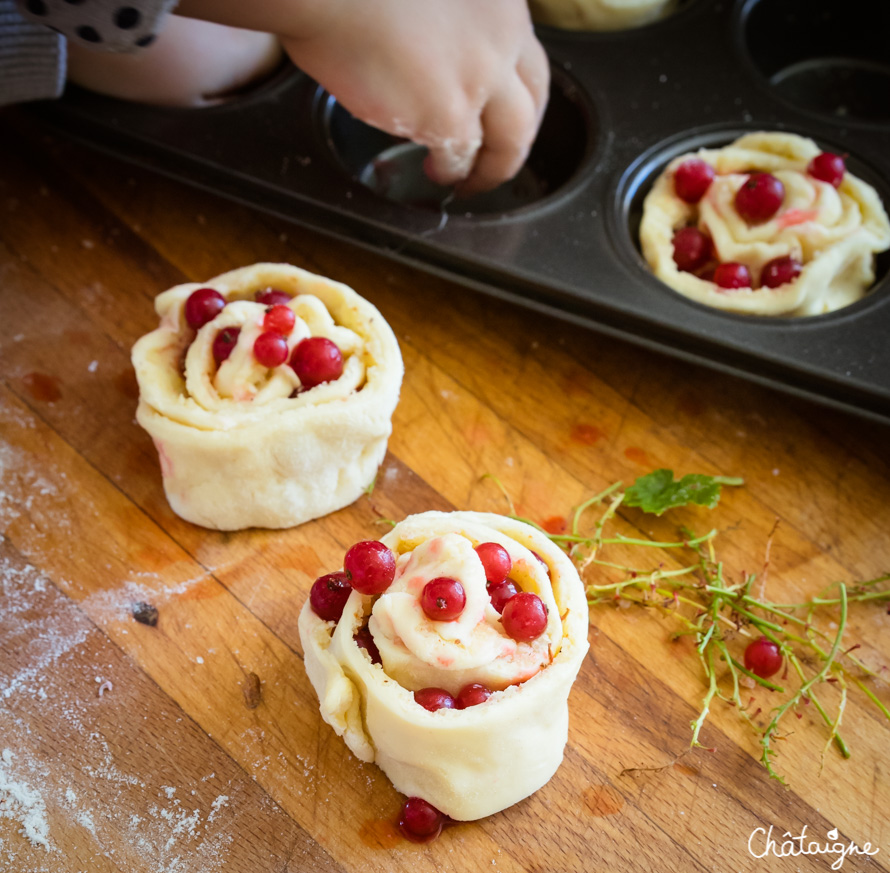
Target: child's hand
(467, 78)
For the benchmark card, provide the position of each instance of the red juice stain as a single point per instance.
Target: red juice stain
(556, 524)
(601, 801)
(299, 557)
(43, 387)
(797, 216)
(151, 560)
(691, 406)
(380, 833)
(637, 455)
(164, 460)
(478, 435)
(574, 384)
(203, 590)
(125, 382)
(586, 434)
(683, 647)
(75, 338)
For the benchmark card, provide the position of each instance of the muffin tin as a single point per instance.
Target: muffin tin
(562, 237)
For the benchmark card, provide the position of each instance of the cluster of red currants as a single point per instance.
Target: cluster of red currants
(369, 568)
(759, 199)
(315, 359)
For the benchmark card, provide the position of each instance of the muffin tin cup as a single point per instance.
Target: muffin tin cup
(562, 238)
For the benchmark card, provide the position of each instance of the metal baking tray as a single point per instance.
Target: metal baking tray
(562, 238)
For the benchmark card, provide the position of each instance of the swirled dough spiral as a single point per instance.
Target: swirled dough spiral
(599, 14)
(473, 762)
(834, 233)
(240, 446)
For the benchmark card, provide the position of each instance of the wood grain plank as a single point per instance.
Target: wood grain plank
(552, 411)
(799, 554)
(161, 796)
(204, 643)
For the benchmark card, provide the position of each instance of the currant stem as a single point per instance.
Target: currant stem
(579, 510)
(804, 689)
(706, 703)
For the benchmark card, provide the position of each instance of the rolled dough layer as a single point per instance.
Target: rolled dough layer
(834, 233)
(253, 455)
(467, 763)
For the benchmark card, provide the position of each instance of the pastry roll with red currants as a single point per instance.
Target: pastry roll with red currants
(445, 654)
(768, 225)
(599, 14)
(269, 393)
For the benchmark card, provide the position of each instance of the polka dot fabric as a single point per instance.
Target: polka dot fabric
(112, 25)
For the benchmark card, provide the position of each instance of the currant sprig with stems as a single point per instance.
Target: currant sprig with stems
(721, 610)
(719, 606)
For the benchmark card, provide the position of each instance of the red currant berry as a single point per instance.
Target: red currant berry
(364, 639)
(692, 178)
(495, 561)
(472, 695)
(434, 699)
(370, 566)
(272, 297)
(692, 249)
(202, 306)
(329, 594)
(279, 319)
(224, 342)
(419, 821)
(501, 593)
(763, 658)
(316, 360)
(524, 617)
(732, 275)
(780, 271)
(270, 349)
(759, 198)
(828, 167)
(443, 599)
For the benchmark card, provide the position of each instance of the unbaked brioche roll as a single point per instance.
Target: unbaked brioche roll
(832, 234)
(472, 762)
(599, 14)
(247, 445)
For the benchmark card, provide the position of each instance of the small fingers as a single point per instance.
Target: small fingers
(449, 160)
(533, 69)
(509, 125)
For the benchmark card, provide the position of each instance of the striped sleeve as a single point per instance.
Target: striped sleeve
(32, 58)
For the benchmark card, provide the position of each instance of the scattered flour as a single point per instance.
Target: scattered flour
(53, 668)
(217, 804)
(22, 803)
(49, 635)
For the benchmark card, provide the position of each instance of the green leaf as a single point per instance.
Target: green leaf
(656, 492)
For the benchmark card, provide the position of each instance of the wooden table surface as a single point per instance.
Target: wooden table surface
(129, 748)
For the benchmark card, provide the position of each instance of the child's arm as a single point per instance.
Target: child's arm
(466, 78)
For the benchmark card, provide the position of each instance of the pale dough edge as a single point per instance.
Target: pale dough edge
(285, 469)
(470, 763)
